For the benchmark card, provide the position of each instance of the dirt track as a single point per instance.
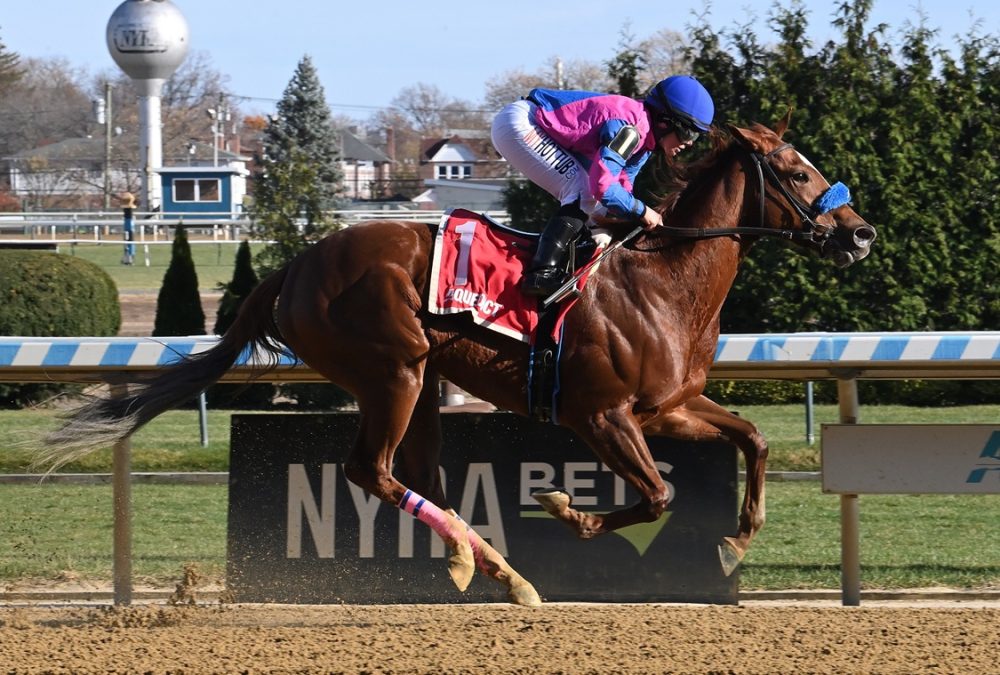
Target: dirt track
(557, 638)
(139, 312)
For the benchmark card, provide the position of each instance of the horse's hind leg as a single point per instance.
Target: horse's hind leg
(417, 460)
(702, 419)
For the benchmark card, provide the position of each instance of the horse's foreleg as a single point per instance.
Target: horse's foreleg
(702, 419)
(418, 457)
(616, 438)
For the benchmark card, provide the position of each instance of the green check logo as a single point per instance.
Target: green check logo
(641, 535)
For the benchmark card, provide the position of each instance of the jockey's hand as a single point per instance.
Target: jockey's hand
(651, 219)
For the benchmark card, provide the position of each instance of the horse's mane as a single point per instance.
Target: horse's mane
(669, 180)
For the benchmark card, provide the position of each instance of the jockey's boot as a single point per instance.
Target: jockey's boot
(547, 271)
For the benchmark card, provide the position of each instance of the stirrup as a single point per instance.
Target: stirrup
(542, 282)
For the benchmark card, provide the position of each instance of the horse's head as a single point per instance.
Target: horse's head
(793, 196)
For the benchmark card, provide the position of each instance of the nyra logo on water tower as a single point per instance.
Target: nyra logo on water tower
(138, 39)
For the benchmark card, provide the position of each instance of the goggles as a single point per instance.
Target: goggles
(685, 132)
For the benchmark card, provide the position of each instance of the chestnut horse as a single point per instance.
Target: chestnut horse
(635, 353)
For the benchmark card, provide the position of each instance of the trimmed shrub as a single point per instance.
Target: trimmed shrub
(235, 292)
(178, 306)
(51, 295)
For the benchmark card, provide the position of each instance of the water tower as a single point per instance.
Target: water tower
(148, 39)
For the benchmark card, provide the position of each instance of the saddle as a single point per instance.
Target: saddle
(477, 268)
(583, 248)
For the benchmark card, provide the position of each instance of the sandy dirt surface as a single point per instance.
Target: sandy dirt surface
(556, 638)
(139, 312)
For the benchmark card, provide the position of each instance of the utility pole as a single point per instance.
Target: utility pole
(219, 116)
(107, 146)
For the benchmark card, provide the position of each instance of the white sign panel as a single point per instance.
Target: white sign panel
(911, 458)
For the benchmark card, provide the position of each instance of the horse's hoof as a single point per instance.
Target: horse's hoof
(729, 557)
(462, 565)
(553, 500)
(524, 595)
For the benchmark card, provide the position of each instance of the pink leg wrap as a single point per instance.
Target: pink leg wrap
(425, 512)
(429, 513)
(473, 538)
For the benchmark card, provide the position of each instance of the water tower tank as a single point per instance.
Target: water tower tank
(148, 39)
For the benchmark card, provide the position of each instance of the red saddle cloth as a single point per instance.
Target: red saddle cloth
(477, 268)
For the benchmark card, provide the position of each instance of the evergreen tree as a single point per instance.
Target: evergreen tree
(301, 175)
(10, 67)
(528, 206)
(970, 97)
(287, 210)
(235, 292)
(178, 306)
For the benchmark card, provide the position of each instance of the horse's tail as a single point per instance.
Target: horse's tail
(105, 421)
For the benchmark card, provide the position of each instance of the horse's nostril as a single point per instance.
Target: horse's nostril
(864, 235)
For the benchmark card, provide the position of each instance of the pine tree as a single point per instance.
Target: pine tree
(287, 210)
(178, 306)
(10, 67)
(528, 205)
(235, 292)
(244, 280)
(301, 172)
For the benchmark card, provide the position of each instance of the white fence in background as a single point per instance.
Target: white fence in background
(151, 227)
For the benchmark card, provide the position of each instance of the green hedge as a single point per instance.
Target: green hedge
(47, 295)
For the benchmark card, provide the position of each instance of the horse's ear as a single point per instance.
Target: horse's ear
(782, 125)
(748, 138)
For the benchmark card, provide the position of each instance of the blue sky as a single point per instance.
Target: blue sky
(366, 52)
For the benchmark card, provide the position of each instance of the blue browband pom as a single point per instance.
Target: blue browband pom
(836, 195)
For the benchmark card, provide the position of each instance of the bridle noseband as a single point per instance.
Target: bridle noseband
(811, 230)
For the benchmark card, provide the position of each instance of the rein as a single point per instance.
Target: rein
(810, 232)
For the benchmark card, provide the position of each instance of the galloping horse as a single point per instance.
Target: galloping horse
(635, 353)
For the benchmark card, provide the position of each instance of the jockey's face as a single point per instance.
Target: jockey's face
(671, 145)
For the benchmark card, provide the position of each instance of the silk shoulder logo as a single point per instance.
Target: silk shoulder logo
(989, 460)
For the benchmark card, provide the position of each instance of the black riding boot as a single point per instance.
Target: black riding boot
(547, 270)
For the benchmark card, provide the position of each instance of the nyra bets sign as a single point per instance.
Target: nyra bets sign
(300, 532)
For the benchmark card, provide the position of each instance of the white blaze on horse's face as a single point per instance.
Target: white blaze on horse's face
(824, 219)
(805, 160)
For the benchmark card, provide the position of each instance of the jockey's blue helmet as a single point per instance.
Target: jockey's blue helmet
(684, 99)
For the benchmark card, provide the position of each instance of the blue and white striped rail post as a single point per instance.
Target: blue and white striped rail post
(844, 357)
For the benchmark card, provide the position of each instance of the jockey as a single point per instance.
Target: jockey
(585, 149)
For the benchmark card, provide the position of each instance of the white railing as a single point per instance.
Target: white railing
(99, 226)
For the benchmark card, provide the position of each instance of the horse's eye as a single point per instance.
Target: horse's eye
(800, 177)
